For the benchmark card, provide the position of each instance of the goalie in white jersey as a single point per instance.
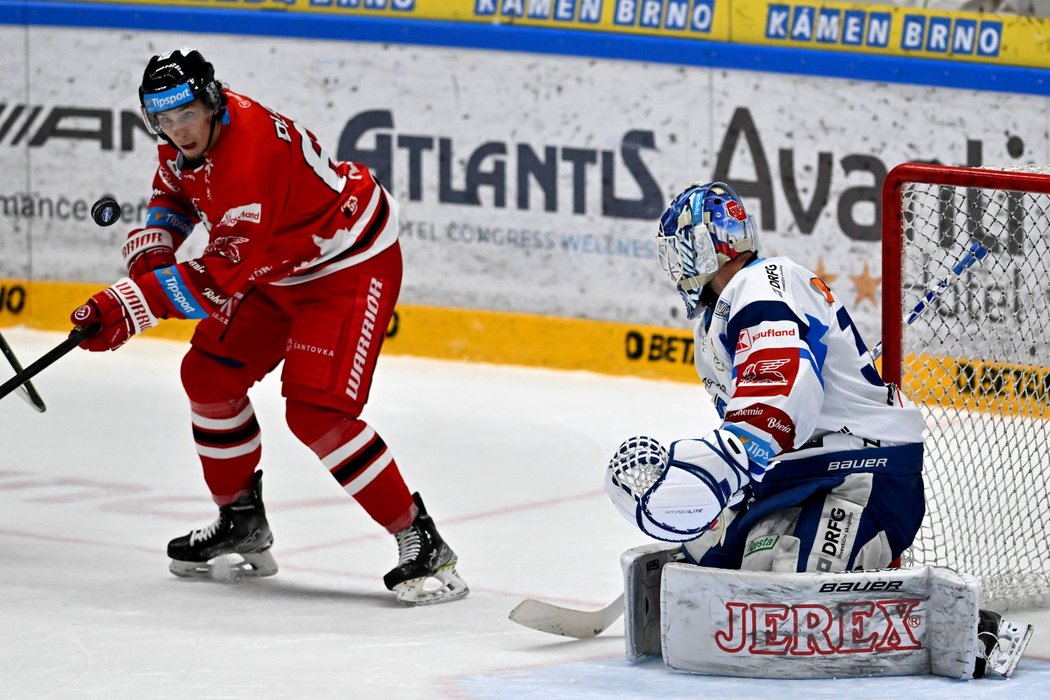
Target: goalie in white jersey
(817, 464)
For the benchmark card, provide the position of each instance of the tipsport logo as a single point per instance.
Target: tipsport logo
(168, 99)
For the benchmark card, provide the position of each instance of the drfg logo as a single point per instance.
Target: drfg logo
(808, 629)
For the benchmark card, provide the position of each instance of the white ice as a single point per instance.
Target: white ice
(509, 462)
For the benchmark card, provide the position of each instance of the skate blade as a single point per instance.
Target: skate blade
(414, 591)
(227, 568)
(1004, 661)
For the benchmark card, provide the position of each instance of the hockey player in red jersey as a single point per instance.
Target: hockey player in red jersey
(302, 266)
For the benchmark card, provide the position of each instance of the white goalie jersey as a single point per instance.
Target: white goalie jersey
(788, 370)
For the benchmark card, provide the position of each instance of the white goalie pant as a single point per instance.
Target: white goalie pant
(891, 622)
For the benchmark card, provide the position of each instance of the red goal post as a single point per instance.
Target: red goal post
(977, 360)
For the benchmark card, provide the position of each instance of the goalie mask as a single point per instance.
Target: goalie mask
(704, 227)
(176, 79)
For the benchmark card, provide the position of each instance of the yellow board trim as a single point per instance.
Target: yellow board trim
(470, 335)
(606, 347)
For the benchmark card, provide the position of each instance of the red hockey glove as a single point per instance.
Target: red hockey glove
(148, 249)
(121, 310)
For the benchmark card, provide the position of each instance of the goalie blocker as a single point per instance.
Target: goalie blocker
(891, 622)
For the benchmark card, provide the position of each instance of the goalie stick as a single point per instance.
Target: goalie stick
(29, 392)
(76, 337)
(585, 624)
(554, 619)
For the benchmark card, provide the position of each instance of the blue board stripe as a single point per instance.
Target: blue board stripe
(536, 40)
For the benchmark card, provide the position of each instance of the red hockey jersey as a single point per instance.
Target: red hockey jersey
(278, 210)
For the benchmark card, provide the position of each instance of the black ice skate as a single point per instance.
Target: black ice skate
(240, 529)
(423, 555)
(1002, 643)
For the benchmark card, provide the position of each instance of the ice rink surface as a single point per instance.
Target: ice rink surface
(509, 461)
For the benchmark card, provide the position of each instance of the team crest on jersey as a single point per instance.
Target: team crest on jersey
(722, 309)
(770, 372)
(226, 246)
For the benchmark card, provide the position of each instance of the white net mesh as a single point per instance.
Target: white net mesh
(979, 361)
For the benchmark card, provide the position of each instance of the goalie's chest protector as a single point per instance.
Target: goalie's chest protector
(775, 305)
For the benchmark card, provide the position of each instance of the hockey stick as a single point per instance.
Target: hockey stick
(584, 624)
(76, 337)
(554, 619)
(29, 392)
(974, 254)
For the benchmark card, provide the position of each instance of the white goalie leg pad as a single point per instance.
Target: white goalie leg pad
(751, 624)
(642, 567)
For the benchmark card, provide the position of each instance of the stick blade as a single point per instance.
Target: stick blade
(554, 619)
(32, 397)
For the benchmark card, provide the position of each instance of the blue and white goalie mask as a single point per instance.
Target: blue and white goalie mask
(705, 227)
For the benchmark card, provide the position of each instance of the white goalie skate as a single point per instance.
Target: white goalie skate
(1004, 643)
(426, 569)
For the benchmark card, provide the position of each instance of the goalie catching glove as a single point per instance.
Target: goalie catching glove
(121, 310)
(676, 495)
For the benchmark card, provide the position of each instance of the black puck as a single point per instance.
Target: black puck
(105, 212)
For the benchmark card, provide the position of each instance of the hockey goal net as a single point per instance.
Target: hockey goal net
(977, 360)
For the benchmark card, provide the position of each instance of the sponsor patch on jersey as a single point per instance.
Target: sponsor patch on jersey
(743, 343)
(169, 220)
(768, 372)
(180, 294)
(765, 418)
(775, 277)
(249, 213)
(767, 334)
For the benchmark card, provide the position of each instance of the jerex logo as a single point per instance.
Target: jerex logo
(808, 628)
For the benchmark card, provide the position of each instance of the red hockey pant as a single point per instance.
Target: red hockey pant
(328, 332)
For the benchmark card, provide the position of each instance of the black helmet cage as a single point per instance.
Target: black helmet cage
(167, 73)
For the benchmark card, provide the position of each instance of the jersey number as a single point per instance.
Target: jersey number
(319, 161)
